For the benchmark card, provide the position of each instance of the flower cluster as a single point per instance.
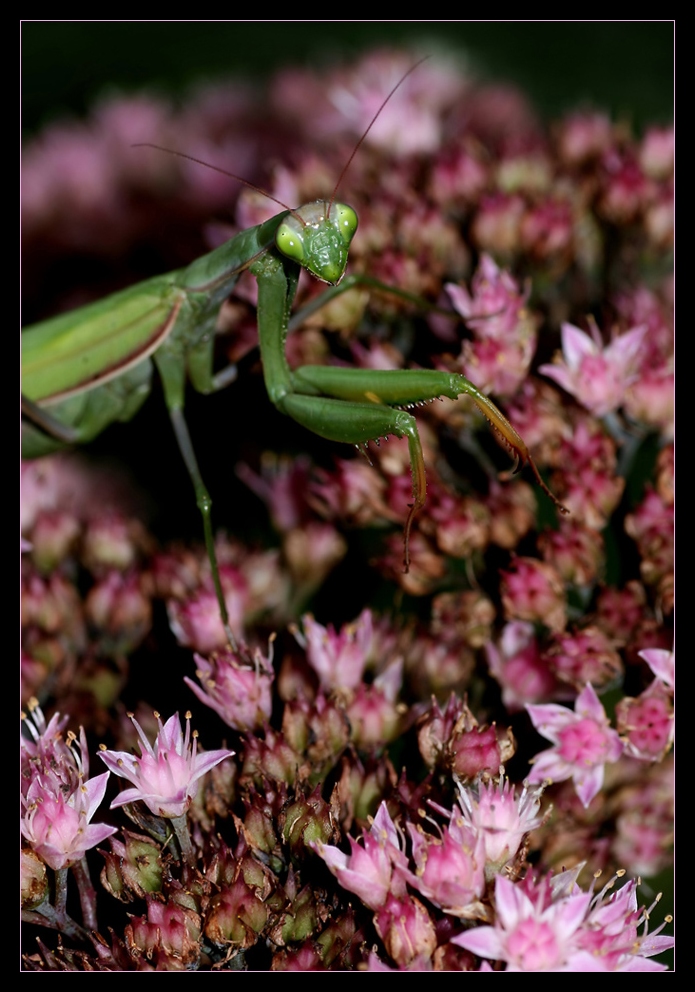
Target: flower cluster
(59, 798)
(555, 926)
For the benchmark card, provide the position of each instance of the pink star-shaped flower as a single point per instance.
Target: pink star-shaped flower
(584, 743)
(662, 663)
(58, 827)
(372, 871)
(596, 376)
(166, 776)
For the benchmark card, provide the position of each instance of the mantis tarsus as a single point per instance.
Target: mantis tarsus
(87, 368)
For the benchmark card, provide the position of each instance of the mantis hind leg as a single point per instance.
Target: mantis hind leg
(408, 388)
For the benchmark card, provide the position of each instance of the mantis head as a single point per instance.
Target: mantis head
(318, 237)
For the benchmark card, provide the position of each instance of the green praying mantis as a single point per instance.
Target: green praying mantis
(85, 369)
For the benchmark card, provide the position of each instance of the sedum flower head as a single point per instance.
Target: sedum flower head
(167, 774)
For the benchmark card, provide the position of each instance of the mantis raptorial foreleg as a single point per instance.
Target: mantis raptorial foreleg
(356, 406)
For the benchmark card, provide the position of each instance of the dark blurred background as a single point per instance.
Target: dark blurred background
(623, 67)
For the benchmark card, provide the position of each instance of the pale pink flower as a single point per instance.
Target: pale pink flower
(597, 377)
(650, 399)
(373, 711)
(497, 223)
(546, 230)
(498, 360)
(587, 474)
(552, 925)
(195, 620)
(339, 659)
(42, 747)
(56, 824)
(584, 744)
(166, 776)
(282, 484)
(626, 190)
(662, 663)
(494, 812)
(531, 932)
(496, 305)
(656, 153)
(241, 693)
(450, 868)
(609, 938)
(411, 121)
(58, 798)
(584, 136)
(495, 366)
(520, 668)
(370, 871)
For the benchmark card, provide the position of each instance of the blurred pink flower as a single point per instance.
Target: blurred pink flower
(646, 723)
(597, 377)
(339, 659)
(662, 663)
(240, 691)
(505, 332)
(519, 667)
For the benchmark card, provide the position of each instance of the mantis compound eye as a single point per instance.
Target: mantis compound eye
(290, 240)
(344, 219)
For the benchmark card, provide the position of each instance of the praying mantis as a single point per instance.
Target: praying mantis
(85, 369)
